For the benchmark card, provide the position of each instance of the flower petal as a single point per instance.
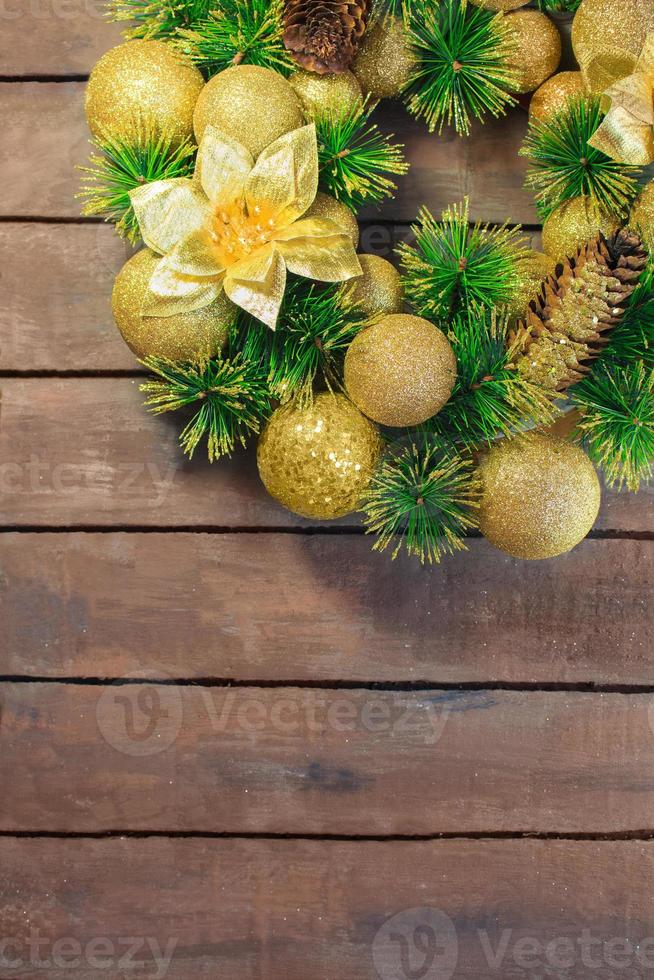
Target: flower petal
(169, 293)
(168, 211)
(195, 256)
(262, 290)
(310, 228)
(326, 259)
(284, 179)
(222, 165)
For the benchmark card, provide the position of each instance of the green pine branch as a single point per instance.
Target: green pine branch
(123, 164)
(356, 159)
(231, 399)
(463, 69)
(422, 498)
(454, 265)
(563, 165)
(239, 32)
(158, 20)
(633, 338)
(558, 6)
(617, 424)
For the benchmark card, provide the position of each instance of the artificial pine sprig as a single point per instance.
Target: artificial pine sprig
(123, 164)
(617, 424)
(563, 165)
(239, 32)
(463, 68)
(158, 20)
(489, 398)
(423, 498)
(558, 6)
(454, 264)
(316, 325)
(355, 158)
(232, 396)
(633, 338)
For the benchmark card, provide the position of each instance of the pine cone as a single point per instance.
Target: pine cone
(579, 305)
(324, 35)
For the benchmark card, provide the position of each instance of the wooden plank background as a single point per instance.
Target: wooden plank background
(247, 740)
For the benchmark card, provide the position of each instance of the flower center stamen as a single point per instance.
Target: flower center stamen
(237, 233)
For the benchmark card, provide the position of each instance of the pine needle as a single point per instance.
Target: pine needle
(158, 20)
(633, 338)
(558, 6)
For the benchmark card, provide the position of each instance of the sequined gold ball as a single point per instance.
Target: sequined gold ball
(538, 51)
(184, 336)
(379, 290)
(142, 84)
(553, 94)
(400, 371)
(572, 224)
(317, 460)
(540, 496)
(253, 105)
(385, 61)
(604, 26)
(642, 215)
(326, 206)
(500, 5)
(331, 95)
(532, 270)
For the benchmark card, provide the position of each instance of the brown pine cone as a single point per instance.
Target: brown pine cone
(579, 305)
(324, 35)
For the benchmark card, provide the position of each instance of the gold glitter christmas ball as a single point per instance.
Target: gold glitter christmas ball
(538, 50)
(184, 336)
(573, 223)
(540, 496)
(503, 5)
(379, 290)
(253, 105)
(607, 26)
(142, 83)
(642, 215)
(532, 270)
(332, 95)
(400, 371)
(385, 60)
(553, 94)
(326, 206)
(317, 460)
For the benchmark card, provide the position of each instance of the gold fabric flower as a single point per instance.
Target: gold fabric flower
(237, 226)
(627, 83)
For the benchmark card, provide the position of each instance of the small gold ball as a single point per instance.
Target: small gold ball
(317, 460)
(326, 95)
(573, 223)
(538, 51)
(603, 26)
(400, 371)
(553, 94)
(532, 271)
(253, 105)
(326, 206)
(540, 497)
(181, 337)
(379, 290)
(385, 60)
(642, 215)
(500, 5)
(142, 84)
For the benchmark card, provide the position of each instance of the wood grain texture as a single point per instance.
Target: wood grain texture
(156, 757)
(83, 451)
(299, 909)
(486, 165)
(298, 607)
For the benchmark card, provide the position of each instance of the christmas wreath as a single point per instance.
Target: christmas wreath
(234, 139)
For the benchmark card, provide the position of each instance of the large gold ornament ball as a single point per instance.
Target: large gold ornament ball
(555, 93)
(385, 60)
(141, 85)
(538, 49)
(253, 105)
(532, 270)
(500, 5)
(184, 336)
(326, 206)
(326, 95)
(540, 496)
(642, 215)
(573, 223)
(604, 27)
(317, 460)
(401, 370)
(379, 290)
